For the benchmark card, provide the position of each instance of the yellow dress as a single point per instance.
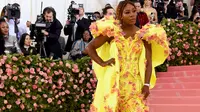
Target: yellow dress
(119, 87)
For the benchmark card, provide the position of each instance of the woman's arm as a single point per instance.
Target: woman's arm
(156, 16)
(148, 72)
(91, 50)
(148, 63)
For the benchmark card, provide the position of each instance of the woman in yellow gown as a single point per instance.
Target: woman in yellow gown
(124, 60)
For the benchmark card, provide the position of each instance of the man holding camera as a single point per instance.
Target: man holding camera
(52, 34)
(75, 29)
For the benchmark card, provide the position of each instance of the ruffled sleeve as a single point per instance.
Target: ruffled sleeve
(107, 26)
(157, 37)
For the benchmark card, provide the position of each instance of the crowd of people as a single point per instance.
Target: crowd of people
(119, 51)
(148, 11)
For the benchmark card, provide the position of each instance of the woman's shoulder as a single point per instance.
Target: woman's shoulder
(108, 26)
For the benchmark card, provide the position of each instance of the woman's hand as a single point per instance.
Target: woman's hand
(145, 91)
(110, 62)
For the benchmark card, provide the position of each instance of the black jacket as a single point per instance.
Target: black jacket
(81, 26)
(2, 45)
(52, 44)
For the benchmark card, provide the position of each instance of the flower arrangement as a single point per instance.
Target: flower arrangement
(34, 84)
(184, 39)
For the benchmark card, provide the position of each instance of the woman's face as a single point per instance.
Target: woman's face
(129, 15)
(4, 28)
(27, 41)
(148, 2)
(86, 36)
(110, 12)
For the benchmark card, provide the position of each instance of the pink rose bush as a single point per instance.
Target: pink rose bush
(184, 39)
(34, 84)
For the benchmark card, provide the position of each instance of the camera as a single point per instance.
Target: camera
(13, 11)
(72, 11)
(36, 29)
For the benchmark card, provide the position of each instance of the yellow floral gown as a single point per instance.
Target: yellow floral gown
(119, 86)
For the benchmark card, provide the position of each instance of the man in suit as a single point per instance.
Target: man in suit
(75, 30)
(52, 34)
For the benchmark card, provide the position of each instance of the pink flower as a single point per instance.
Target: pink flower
(60, 71)
(75, 66)
(75, 70)
(48, 71)
(5, 102)
(181, 61)
(39, 89)
(68, 65)
(49, 100)
(8, 66)
(52, 64)
(82, 105)
(82, 93)
(82, 110)
(34, 97)
(180, 25)
(63, 93)
(54, 87)
(35, 86)
(32, 70)
(75, 86)
(27, 90)
(87, 91)
(22, 106)
(45, 68)
(2, 61)
(9, 106)
(4, 77)
(61, 63)
(59, 102)
(26, 70)
(15, 78)
(27, 62)
(28, 96)
(56, 96)
(8, 71)
(44, 95)
(80, 75)
(179, 53)
(21, 76)
(190, 63)
(60, 82)
(89, 85)
(196, 53)
(38, 69)
(186, 46)
(56, 72)
(35, 105)
(194, 37)
(2, 94)
(80, 81)
(1, 85)
(40, 64)
(67, 91)
(50, 81)
(18, 93)
(18, 101)
(14, 58)
(191, 31)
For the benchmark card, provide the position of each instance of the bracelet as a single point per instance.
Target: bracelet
(146, 84)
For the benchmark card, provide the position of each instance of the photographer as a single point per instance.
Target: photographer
(178, 10)
(75, 25)
(52, 34)
(195, 16)
(12, 13)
